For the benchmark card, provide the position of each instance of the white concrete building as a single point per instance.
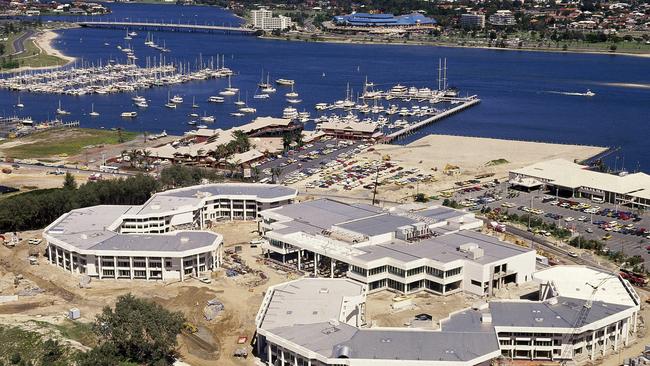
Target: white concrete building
(503, 18)
(432, 249)
(264, 19)
(582, 314)
(161, 239)
(575, 180)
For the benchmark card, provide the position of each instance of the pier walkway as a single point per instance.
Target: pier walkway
(466, 103)
(172, 27)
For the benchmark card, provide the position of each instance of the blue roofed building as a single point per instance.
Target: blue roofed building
(365, 20)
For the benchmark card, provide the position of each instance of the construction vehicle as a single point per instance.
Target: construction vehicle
(189, 328)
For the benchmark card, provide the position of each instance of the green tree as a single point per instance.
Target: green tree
(69, 181)
(140, 330)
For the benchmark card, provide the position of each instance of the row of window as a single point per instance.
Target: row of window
(408, 273)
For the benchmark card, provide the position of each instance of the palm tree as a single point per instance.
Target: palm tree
(276, 172)
(255, 173)
(232, 167)
(242, 143)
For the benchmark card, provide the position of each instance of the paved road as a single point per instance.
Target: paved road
(19, 43)
(69, 169)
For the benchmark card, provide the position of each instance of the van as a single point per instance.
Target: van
(597, 199)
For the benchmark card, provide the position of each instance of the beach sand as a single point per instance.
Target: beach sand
(43, 41)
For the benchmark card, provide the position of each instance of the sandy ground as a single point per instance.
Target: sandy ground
(216, 340)
(32, 178)
(44, 42)
(471, 154)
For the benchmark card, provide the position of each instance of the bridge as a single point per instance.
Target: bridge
(170, 27)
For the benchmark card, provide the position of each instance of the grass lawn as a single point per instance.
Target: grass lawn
(63, 141)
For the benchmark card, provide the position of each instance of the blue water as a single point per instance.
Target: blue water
(514, 86)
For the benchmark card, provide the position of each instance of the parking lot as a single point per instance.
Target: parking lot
(618, 228)
(308, 159)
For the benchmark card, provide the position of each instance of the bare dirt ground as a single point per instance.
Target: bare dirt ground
(216, 340)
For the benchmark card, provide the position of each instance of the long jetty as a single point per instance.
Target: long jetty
(467, 103)
(171, 27)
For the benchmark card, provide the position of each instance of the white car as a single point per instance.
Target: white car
(569, 219)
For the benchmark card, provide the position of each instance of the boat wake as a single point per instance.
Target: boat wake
(628, 85)
(588, 93)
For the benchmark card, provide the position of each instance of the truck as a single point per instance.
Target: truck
(498, 227)
(637, 279)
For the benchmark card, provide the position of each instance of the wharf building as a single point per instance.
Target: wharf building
(580, 314)
(568, 179)
(163, 239)
(430, 249)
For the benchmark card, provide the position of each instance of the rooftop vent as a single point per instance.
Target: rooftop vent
(539, 320)
(155, 206)
(486, 318)
(343, 352)
(324, 290)
(185, 239)
(472, 250)
(385, 340)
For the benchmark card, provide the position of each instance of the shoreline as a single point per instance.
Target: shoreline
(435, 44)
(43, 41)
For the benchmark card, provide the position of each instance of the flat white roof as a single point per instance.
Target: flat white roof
(571, 175)
(578, 282)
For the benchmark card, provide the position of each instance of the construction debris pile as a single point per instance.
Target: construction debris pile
(236, 266)
(213, 309)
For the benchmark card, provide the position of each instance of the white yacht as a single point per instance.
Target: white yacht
(176, 99)
(292, 93)
(138, 98)
(19, 104)
(142, 104)
(129, 114)
(61, 111)
(294, 101)
(261, 96)
(290, 113)
(207, 119)
(92, 111)
(215, 99)
(286, 82)
(247, 110)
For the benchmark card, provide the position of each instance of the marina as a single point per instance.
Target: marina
(109, 79)
(513, 86)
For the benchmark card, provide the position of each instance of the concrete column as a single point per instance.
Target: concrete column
(593, 345)
(56, 254)
(244, 210)
(232, 212)
(299, 254)
(636, 316)
(268, 354)
(182, 270)
(49, 253)
(332, 267)
(115, 267)
(131, 267)
(100, 272)
(197, 266)
(315, 264)
(605, 339)
(146, 267)
(616, 337)
(162, 268)
(282, 358)
(71, 263)
(283, 259)
(626, 329)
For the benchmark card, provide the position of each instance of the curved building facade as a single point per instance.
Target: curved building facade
(163, 239)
